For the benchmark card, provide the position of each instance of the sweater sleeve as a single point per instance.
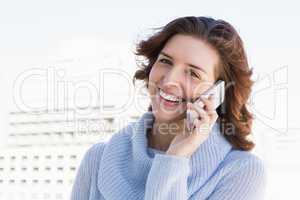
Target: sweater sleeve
(246, 183)
(87, 169)
(167, 179)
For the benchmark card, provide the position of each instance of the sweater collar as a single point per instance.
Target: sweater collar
(203, 162)
(126, 161)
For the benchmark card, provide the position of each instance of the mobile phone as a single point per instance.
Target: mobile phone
(218, 90)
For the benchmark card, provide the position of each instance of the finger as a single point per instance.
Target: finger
(199, 134)
(199, 103)
(191, 115)
(205, 116)
(198, 109)
(203, 127)
(194, 113)
(208, 104)
(212, 119)
(201, 120)
(205, 119)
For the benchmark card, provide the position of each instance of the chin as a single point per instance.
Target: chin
(165, 115)
(162, 117)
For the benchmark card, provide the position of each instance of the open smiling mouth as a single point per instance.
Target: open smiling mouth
(169, 99)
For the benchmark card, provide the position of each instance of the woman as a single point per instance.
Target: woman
(158, 157)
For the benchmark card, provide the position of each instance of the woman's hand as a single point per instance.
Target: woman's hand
(185, 144)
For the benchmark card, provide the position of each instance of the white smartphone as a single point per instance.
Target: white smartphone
(218, 90)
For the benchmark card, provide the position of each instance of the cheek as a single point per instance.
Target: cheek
(156, 74)
(152, 75)
(198, 89)
(153, 79)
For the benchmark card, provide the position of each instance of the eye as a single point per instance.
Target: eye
(165, 61)
(194, 74)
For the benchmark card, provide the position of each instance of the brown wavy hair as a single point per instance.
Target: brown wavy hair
(234, 117)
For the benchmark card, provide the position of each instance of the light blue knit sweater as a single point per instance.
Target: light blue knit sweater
(126, 168)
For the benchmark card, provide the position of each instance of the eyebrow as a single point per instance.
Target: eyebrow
(191, 65)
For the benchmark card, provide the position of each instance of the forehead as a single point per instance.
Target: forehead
(192, 50)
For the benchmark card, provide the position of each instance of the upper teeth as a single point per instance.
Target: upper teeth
(168, 96)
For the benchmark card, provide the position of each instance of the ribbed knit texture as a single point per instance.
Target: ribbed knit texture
(125, 168)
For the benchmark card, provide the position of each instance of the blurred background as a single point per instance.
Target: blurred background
(65, 80)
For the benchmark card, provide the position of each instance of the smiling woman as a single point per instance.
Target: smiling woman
(216, 47)
(157, 157)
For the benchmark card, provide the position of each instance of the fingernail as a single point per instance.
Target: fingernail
(201, 104)
(204, 96)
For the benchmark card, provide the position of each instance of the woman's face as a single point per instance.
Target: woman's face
(183, 70)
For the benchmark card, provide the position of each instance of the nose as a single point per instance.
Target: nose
(174, 81)
(173, 75)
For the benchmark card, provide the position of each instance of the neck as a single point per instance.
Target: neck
(162, 134)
